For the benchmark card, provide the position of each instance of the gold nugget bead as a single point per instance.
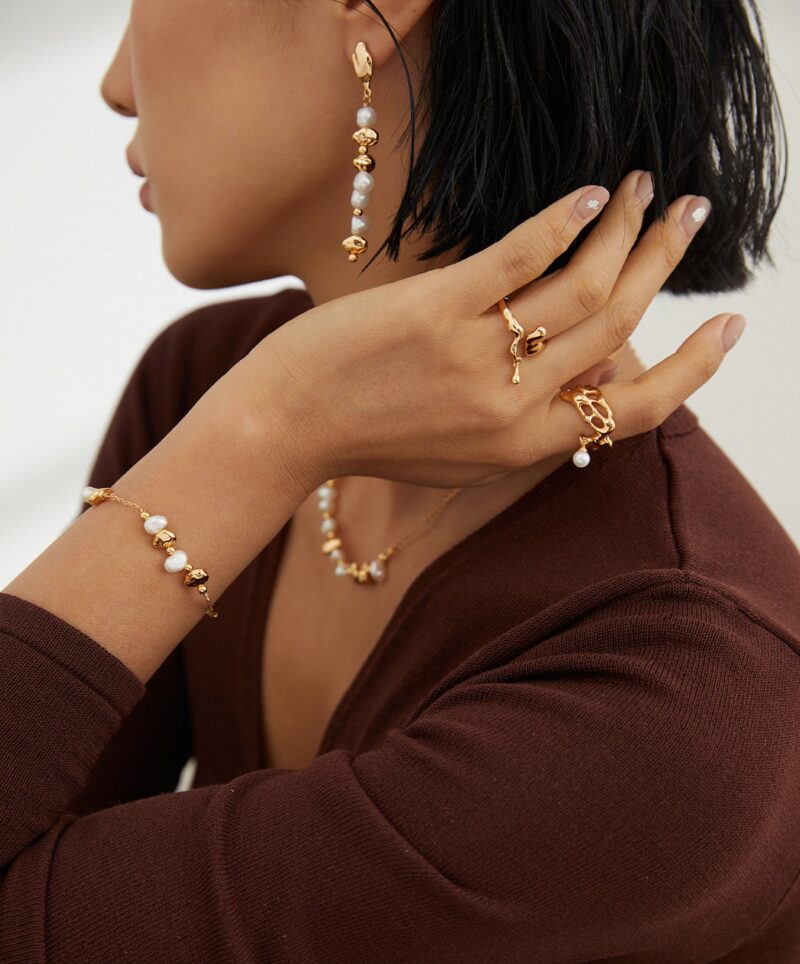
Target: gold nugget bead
(164, 539)
(364, 162)
(196, 577)
(365, 137)
(355, 245)
(156, 526)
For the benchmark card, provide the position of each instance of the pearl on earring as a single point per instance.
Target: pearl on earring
(365, 136)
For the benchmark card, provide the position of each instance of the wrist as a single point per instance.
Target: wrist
(279, 399)
(269, 413)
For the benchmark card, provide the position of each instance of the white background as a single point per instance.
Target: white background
(84, 288)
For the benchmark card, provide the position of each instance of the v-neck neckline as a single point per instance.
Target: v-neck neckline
(264, 575)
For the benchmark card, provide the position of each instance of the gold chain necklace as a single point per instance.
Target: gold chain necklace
(374, 571)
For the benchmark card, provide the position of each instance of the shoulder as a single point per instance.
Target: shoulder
(233, 327)
(195, 350)
(205, 342)
(639, 755)
(177, 367)
(721, 529)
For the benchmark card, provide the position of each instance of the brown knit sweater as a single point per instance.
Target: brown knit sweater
(577, 739)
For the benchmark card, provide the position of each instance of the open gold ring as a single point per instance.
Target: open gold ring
(534, 341)
(589, 401)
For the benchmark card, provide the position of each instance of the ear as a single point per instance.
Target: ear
(360, 22)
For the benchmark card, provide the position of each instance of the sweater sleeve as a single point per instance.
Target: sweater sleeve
(621, 785)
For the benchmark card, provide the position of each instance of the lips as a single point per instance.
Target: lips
(134, 165)
(144, 196)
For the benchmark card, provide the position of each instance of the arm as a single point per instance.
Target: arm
(222, 477)
(605, 788)
(154, 741)
(102, 581)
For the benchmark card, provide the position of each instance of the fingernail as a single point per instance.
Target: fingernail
(695, 214)
(644, 188)
(591, 202)
(730, 333)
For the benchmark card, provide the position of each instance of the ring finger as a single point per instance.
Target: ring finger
(642, 404)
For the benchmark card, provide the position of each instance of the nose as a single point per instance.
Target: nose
(116, 88)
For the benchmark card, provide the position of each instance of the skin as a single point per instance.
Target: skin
(419, 398)
(242, 201)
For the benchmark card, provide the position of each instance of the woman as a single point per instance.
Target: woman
(524, 705)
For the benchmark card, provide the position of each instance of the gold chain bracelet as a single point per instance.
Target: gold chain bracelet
(156, 526)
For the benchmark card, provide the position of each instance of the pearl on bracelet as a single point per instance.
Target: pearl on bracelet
(155, 523)
(156, 526)
(581, 458)
(176, 561)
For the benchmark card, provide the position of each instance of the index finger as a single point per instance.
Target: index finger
(481, 280)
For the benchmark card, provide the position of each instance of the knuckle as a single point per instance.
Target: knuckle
(554, 240)
(652, 411)
(523, 256)
(592, 292)
(505, 410)
(672, 250)
(517, 450)
(519, 261)
(528, 252)
(502, 426)
(621, 319)
(706, 367)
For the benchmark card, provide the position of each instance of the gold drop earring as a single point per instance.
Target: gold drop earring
(366, 135)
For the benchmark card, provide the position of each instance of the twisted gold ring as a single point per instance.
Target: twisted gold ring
(534, 341)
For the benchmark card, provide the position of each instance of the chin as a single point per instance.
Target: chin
(207, 266)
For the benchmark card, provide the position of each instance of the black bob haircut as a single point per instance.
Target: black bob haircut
(527, 100)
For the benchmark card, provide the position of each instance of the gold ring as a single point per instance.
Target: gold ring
(588, 400)
(534, 342)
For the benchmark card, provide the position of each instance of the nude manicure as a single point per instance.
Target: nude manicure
(732, 330)
(644, 188)
(591, 202)
(694, 217)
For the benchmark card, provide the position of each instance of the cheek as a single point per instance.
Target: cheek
(234, 129)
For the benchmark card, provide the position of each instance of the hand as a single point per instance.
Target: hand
(411, 380)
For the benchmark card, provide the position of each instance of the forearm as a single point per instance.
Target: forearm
(225, 480)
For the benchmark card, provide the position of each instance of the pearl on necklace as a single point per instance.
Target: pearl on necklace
(375, 569)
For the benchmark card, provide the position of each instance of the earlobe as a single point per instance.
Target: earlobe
(363, 21)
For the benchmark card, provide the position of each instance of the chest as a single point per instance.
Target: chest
(320, 630)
